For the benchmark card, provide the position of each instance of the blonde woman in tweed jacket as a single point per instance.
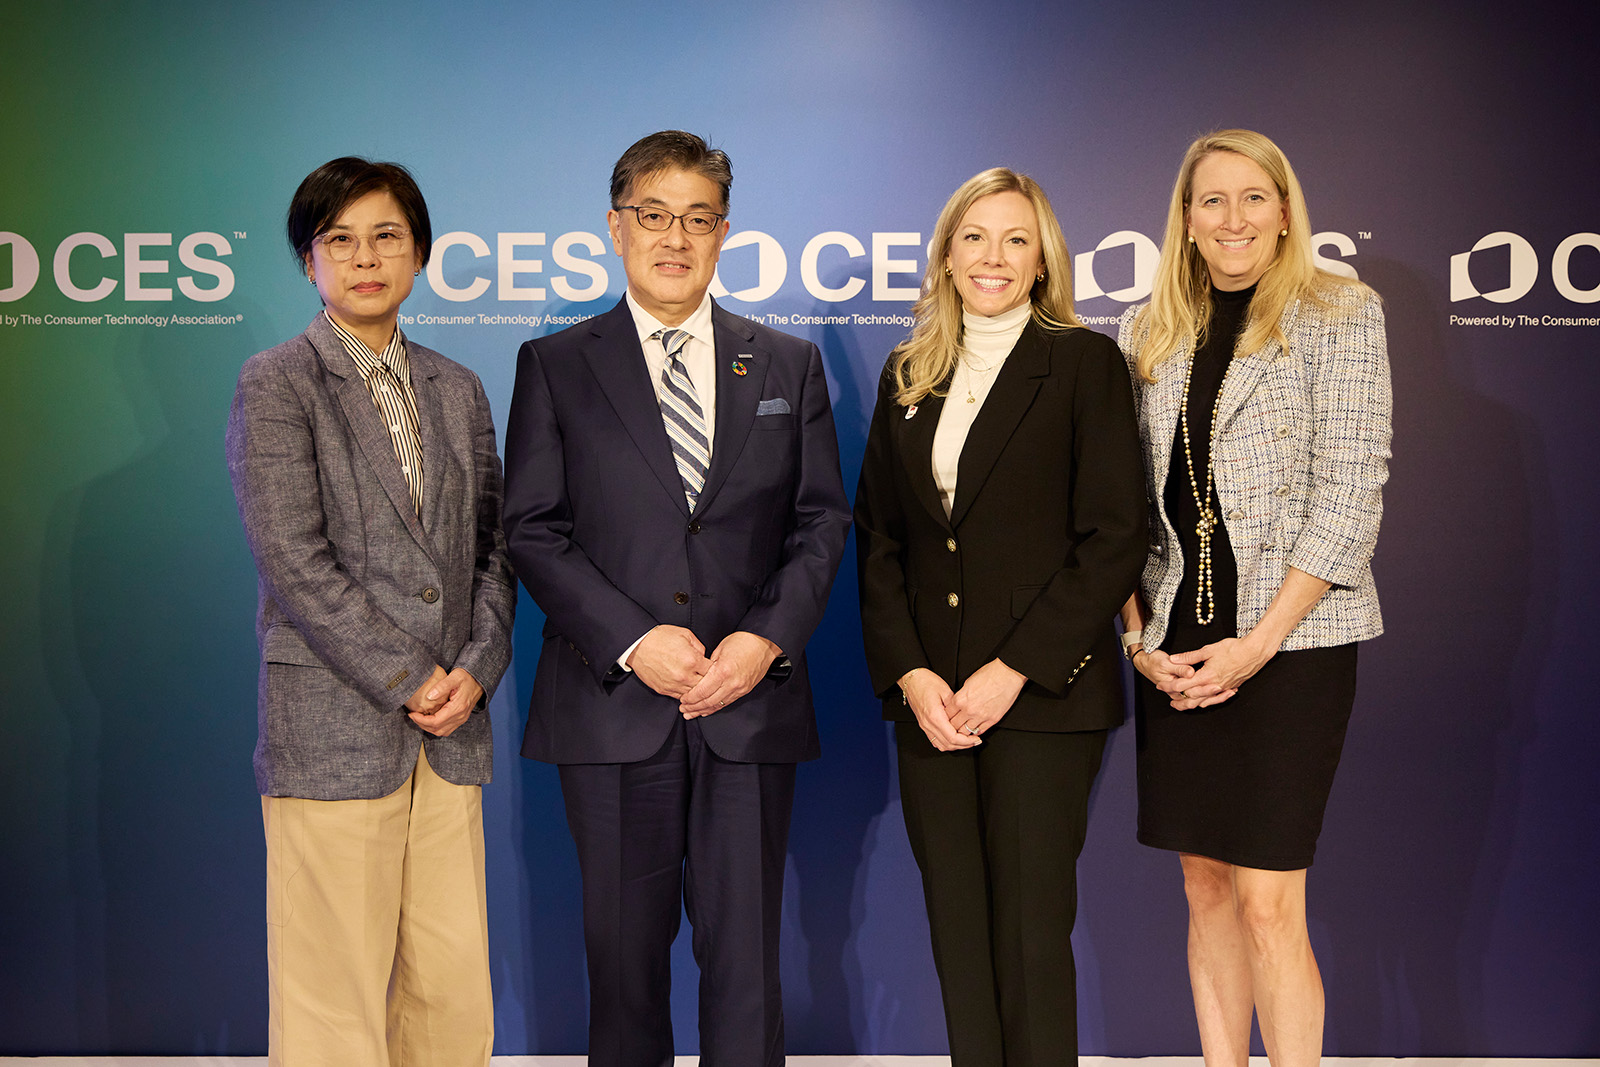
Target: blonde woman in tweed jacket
(1262, 386)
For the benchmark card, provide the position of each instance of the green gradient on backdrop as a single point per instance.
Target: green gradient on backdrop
(119, 540)
(129, 749)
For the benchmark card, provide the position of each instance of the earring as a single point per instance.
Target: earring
(416, 274)
(1040, 278)
(1283, 233)
(948, 273)
(1191, 238)
(312, 278)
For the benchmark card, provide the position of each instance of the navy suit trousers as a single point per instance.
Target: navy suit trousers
(684, 828)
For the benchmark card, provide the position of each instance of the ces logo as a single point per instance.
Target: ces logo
(86, 280)
(1523, 268)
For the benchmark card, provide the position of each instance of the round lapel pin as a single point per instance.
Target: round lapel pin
(740, 369)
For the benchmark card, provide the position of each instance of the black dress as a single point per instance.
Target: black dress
(1245, 781)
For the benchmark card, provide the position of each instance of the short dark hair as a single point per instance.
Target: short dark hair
(670, 148)
(337, 184)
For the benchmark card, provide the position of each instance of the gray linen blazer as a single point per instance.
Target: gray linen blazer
(1301, 457)
(358, 598)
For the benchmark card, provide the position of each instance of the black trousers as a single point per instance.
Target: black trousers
(683, 829)
(997, 831)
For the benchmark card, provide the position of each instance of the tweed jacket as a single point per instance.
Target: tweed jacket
(359, 598)
(1302, 450)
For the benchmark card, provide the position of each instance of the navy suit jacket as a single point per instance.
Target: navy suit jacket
(600, 533)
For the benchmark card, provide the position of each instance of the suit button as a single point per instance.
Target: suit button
(1269, 546)
(429, 595)
(953, 600)
(950, 543)
(680, 598)
(1283, 431)
(1235, 514)
(694, 527)
(1282, 490)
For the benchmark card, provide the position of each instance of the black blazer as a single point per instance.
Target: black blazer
(1044, 545)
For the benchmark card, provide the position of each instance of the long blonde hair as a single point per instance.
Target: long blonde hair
(925, 360)
(1180, 299)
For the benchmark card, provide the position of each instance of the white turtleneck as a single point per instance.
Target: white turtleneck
(985, 344)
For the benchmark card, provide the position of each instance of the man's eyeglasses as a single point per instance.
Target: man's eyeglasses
(698, 223)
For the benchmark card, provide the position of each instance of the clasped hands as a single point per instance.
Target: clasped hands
(672, 661)
(1208, 675)
(443, 702)
(956, 720)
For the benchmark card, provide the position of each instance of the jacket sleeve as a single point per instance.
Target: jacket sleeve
(1350, 431)
(581, 603)
(494, 592)
(272, 460)
(1109, 529)
(795, 595)
(888, 630)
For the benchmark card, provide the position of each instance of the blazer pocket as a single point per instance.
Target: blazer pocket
(784, 421)
(283, 644)
(775, 406)
(1022, 598)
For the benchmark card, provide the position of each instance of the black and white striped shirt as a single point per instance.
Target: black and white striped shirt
(388, 378)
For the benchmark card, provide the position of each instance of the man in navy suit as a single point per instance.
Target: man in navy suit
(674, 505)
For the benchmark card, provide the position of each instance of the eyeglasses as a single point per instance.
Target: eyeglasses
(698, 223)
(388, 242)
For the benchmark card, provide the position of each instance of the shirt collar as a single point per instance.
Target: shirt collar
(697, 325)
(392, 358)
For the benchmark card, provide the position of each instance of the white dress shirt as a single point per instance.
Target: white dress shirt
(699, 359)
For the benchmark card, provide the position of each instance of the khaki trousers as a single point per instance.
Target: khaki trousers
(377, 929)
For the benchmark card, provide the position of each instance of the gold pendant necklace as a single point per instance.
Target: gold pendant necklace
(1205, 605)
(972, 370)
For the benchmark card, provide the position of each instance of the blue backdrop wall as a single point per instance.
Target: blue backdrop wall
(1449, 154)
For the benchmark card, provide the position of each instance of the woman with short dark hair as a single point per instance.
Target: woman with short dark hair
(369, 486)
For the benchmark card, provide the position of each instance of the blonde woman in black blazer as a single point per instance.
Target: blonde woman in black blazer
(1000, 523)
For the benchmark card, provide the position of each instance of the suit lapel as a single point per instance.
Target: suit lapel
(737, 394)
(430, 418)
(916, 445)
(616, 360)
(367, 426)
(1008, 401)
(1245, 373)
(1162, 401)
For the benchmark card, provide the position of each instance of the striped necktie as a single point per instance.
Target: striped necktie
(680, 411)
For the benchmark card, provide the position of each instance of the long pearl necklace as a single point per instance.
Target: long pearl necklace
(1205, 605)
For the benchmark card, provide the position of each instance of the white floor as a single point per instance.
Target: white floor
(794, 1061)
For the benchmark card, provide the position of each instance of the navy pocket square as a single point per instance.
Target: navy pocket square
(775, 406)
